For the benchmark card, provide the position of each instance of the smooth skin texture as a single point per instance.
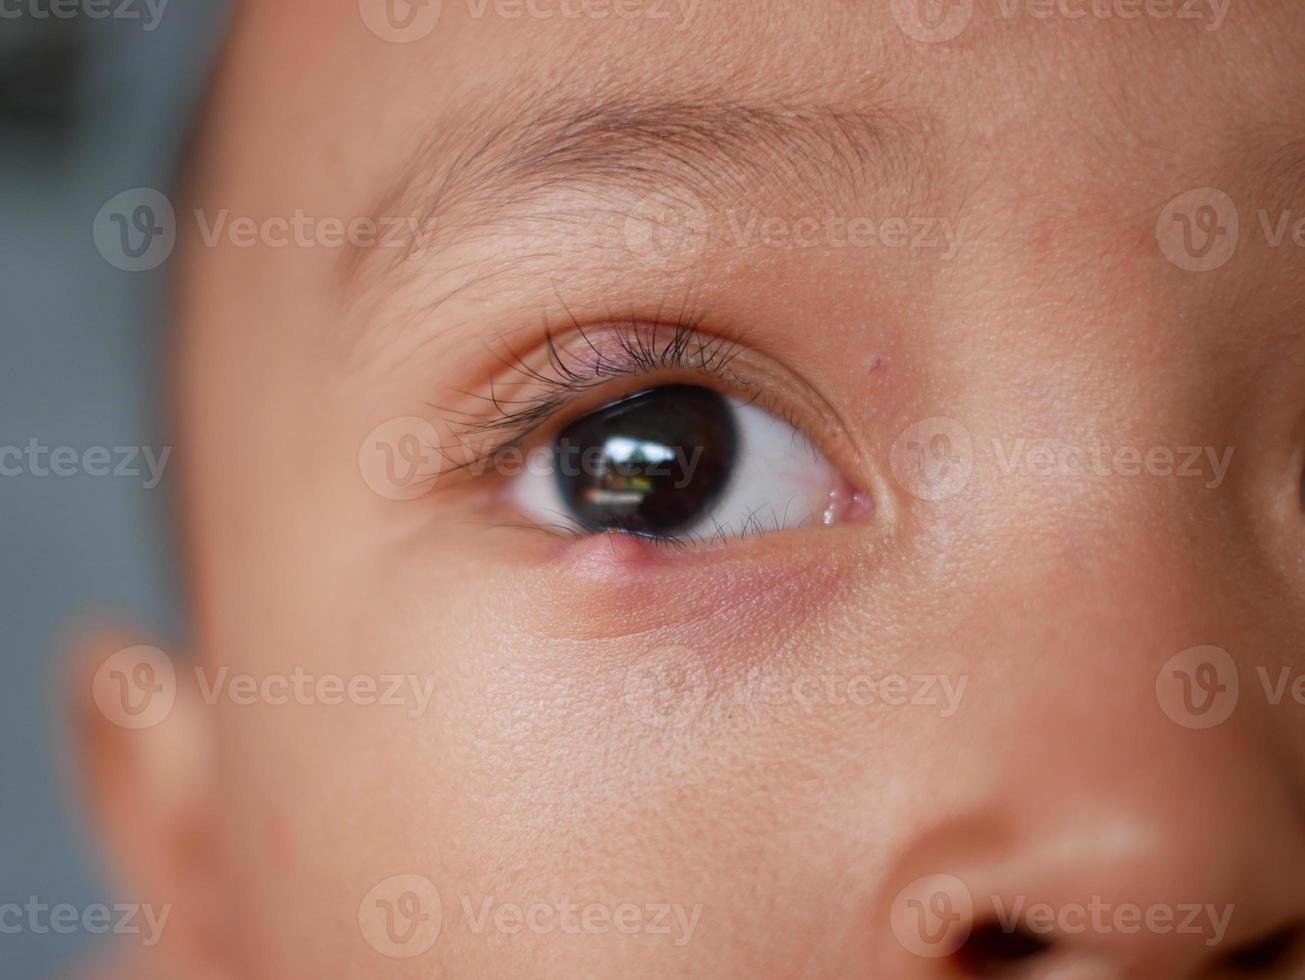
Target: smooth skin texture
(615, 724)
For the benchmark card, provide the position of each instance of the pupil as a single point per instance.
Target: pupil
(653, 463)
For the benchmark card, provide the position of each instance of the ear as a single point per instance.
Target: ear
(146, 761)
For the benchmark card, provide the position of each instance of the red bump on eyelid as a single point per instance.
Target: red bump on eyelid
(605, 556)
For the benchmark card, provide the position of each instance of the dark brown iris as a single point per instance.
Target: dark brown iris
(653, 463)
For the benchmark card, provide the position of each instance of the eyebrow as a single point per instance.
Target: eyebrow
(719, 149)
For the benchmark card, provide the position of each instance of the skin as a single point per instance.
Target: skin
(545, 768)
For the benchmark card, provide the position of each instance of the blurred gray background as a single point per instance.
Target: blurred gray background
(89, 107)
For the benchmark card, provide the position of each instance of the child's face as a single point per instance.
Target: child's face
(953, 268)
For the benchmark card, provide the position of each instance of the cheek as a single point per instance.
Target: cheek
(611, 735)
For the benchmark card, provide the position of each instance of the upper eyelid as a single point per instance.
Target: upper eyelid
(632, 349)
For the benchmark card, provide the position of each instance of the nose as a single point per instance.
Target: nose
(1107, 805)
(1186, 865)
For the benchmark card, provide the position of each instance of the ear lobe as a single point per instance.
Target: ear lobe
(145, 753)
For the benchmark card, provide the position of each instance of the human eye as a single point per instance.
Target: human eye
(667, 434)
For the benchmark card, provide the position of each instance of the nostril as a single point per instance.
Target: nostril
(1270, 952)
(993, 950)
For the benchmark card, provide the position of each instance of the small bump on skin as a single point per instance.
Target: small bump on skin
(606, 556)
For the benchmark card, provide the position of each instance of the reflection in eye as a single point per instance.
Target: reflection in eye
(680, 462)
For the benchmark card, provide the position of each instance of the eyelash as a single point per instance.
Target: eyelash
(640, 348)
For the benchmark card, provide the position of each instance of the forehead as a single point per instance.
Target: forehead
(1129, 79)
(1055, 133)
